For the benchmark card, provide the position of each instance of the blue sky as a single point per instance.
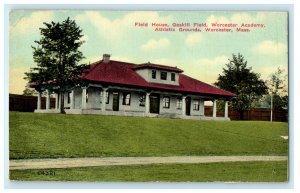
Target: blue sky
(200, 55)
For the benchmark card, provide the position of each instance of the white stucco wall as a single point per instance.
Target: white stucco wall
(147, 75)
(93, 98)
(94, 102)
(201, 107)
(77, 97)
(173, 106)
(93, 105)
(66, 104)
(134, 103)
(144, 73)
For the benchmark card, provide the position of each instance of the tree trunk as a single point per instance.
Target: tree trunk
(62, 105)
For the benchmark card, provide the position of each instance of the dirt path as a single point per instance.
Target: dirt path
(113, 161)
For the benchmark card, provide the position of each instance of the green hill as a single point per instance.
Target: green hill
(60, 135)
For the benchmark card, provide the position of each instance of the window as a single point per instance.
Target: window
(196, 105)
(163, 75)
(153, 74)
(166, 102)
(106, 97)
(173, 76)
(179, 103)
(126, 98)
(142, 100)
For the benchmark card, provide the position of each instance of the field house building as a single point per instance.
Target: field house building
(148, 90)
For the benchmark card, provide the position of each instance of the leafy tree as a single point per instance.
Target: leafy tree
(29, 92)
(279, 102)
(239, 79)
(57, 56)
(277, 82)
(277, 91)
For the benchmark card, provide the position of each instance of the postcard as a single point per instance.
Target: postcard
(148, 96)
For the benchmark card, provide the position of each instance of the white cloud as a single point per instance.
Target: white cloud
(271, 47)
(243, 18)
(165, 61)
(212, 62)
(115, 28)
(240, 17)
(219, 19)
(207, 69)
(267, 71)
(31, 23)
(193, 39)
(156, 44)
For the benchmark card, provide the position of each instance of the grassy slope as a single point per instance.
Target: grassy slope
(238, 172)
(51, 135)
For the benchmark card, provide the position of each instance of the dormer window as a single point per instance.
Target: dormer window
(173, 76)
(163, 75)
(160, 74)
(153, 74)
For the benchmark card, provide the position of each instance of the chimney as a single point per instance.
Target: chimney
(106, 58)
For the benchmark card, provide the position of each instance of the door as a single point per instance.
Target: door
(115, 101)
(188, 106)
(154, 104)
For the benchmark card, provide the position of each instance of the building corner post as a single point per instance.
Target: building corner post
(83, 101)
(48, 100)
(59, 101)
(39, 101)
(183, 106)
(226, 109)
(72, 99)
(147, 103)
(215, 108)
(56, 101)
(103, 102)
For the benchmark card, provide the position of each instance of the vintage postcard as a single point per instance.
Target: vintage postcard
(148, 96)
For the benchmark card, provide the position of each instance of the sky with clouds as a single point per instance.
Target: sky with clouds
(201, 55)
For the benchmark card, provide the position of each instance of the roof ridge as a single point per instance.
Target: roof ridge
(157, 64)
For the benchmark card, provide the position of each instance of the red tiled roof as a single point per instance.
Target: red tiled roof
(122, 73)
(157, 66)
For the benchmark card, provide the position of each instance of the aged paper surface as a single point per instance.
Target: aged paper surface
(146, 109)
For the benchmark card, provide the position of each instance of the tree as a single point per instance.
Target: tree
(29, 92)
(277, 91)
(57, 56)
(240, 80)
(277, 82)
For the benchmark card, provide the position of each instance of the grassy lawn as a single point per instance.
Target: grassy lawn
(237, 172)
(57, 135)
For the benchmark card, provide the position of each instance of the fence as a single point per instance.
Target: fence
(258, 114)
(27, 103)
